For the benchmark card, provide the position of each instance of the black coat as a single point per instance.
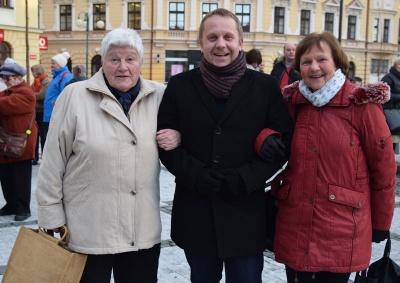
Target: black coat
(279, 69)
(222, 225)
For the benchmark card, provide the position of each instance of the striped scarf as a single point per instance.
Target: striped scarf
(220, 80)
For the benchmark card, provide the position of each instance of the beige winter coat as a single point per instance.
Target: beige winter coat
(100, 172)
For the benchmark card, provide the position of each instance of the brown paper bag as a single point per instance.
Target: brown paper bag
(38, 257)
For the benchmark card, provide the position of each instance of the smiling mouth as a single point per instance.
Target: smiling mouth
(316, 77)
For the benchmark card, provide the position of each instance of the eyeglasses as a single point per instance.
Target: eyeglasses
(8, 78)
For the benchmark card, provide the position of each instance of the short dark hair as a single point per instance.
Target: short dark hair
(315, 39)
(253, 56)
(356, 79)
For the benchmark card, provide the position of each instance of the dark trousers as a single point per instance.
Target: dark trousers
(45, 130)
(241, 269)
(41, 134)
(137, 267)
(15, 180)
(316, 277)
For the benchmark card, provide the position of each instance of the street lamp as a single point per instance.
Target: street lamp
(85, 22)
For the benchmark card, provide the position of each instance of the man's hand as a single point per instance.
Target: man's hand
(208, 182)
(272, 149)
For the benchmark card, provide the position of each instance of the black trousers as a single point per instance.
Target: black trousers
(316, 277)
(15, 180)
(135, 267)
(41, 134)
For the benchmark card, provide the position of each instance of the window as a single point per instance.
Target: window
(208, 7)
(386, 25)
(5, 52)
(176, 16)
(351, 27)
(305, 22)
(329, 21)
(279, 20)
(5, 3)
(134, 16)
(65, 18)
(96, 64)
(375, 31)
(242, 11)
(99, 13)
(379, 66)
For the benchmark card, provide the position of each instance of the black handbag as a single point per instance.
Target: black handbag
(384, 270)
(392, 119)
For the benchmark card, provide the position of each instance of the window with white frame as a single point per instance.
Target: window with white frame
(134, 15)
(305, 18)
(375, 30)
(329, 21)
(279, 20)
(65, 18)
(5, 4)
(351, 27)
(242, 11)
(176, 16)
(386, 27)
(99, 14)
(379, 66)
(208, 7)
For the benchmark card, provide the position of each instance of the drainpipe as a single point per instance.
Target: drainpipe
(151, 39)
(366, 44)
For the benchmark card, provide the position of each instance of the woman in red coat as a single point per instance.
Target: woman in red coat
(17, 108)
(337, 194)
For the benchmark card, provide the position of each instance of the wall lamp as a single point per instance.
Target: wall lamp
(158, 58)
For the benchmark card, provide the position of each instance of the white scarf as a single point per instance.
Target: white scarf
(322, 96)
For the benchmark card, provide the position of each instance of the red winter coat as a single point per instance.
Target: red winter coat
(339, 183)
(17, 105)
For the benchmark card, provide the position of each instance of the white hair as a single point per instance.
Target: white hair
(122, 37)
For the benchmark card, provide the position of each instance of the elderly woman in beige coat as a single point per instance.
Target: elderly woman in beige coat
(100, 170)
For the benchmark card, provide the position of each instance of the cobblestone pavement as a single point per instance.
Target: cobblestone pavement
(173, 266)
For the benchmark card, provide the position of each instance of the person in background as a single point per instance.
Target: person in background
(393, 80)
(261, 67)
(283, 70)
(79, 73)
(99, 174)
(253, 59)
(357, 81)
(218, 214)
(17, 110)
(61, 75)
(337, 192)
(39, 86)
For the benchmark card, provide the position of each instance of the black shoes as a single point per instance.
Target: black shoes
(22, 216)
(4, 211)
(35, 162)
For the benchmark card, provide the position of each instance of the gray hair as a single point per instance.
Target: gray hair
(122, 37)
(396, 61)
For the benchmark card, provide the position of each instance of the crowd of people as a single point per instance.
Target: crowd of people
(222, 130)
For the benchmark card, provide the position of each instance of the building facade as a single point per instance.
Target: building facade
(367, 29)
(19, 32)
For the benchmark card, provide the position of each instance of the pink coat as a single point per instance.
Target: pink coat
(17, 105)
(339, 183)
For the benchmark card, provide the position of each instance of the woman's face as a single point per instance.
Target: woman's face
(317, 66)
(122, 67)
(35, 74)
(12, 80)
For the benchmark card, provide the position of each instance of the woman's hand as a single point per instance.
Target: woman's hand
(168, 139)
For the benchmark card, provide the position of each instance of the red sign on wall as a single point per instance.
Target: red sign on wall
(42, 43)
(1, 34)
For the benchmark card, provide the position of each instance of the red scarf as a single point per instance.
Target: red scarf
(36, 84)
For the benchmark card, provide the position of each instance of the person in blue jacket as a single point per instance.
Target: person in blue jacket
(61, 75)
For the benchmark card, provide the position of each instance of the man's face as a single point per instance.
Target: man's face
(289, 51)
(220, 42)
(122, 67)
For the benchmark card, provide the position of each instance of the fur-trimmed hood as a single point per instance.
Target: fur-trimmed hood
(378, 92)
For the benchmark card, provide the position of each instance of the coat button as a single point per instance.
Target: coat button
(132, 244)
(218, 130)
(360, 204)
(310, 201)
(305, 251)
(314, 149)
(133, 193)
(332, 196)
(216, 159)
(133, 142)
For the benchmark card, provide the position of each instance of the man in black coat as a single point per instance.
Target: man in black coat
(218, 214)
(283, 70)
